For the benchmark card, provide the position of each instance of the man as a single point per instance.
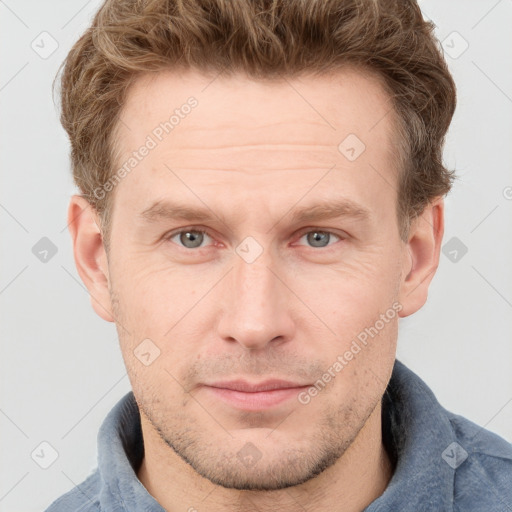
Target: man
(261, 201)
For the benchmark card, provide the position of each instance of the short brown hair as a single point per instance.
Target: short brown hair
(264, 39)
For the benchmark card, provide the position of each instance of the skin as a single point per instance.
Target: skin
(253, 152)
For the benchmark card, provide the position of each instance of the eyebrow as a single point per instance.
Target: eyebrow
(329, 209)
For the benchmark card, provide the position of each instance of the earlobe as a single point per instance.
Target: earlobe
(422, 259)
(89, 254)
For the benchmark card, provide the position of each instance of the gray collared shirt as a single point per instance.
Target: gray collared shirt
(443, 462)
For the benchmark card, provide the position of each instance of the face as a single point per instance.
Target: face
(291, 268)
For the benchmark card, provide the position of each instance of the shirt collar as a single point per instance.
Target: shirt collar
(121, 450)
(416, 431)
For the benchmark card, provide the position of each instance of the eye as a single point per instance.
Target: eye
(318, 238)
(188, 238)
(193, 238)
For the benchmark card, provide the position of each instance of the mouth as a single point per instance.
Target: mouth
(255, 397)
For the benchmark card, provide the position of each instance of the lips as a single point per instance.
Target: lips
(247, 396)
(247, 387)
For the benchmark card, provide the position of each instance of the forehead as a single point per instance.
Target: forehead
(243, 132)
(329, 104)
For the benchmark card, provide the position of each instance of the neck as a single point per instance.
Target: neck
(350, 485)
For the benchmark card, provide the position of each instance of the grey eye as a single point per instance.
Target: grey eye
(319, 238)
(191, 238)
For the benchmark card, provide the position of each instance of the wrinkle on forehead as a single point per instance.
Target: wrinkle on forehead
(312, 111)
(256, 129)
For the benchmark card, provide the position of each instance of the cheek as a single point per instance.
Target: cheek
(359, 366)
(163, 306)
(359, 308)
(350, 297)
(150, 295)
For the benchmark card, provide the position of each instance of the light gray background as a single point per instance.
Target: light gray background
(61, 368)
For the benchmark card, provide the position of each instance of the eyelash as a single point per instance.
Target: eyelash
(303, 232)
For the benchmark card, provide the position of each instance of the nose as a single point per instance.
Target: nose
(255, 305)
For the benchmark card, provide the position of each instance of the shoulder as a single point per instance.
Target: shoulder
(483, 467)
(82, 498)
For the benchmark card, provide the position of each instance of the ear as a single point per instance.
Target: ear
(423, 248)
(90, 256)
